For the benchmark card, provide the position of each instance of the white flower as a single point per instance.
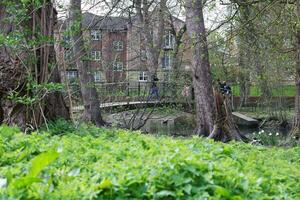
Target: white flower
(74, 172)
(294, 137)
(270, 134)
(277, 134)
(262, 131)
(59, 149)
(3, 182)
(253, 133)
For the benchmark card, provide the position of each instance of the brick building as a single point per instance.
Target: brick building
(116, 52)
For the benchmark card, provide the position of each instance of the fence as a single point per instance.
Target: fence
(171, 91)
(130, 91)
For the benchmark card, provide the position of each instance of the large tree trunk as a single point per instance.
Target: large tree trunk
(89, 93)
(21, 66)
(202, 80)
(152, 31)
(296, 124)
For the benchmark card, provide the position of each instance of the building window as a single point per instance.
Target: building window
(118, 45)
(167, 60)
(143, 55)
(169, 40)
(71, 75)
(97, 76)
(143, 76)
(95, 35)
(96, 55)
(118, 66)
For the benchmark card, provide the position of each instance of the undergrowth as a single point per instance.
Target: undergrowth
(104, 164)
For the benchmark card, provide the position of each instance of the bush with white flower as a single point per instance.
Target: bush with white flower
(267, 138)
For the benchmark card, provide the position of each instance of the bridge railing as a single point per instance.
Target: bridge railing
(130, 91)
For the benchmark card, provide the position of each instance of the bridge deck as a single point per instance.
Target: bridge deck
(244, 120)
(117, 104)
(239, 118)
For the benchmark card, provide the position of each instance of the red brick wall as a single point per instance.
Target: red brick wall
(109, 55)
(96, 45)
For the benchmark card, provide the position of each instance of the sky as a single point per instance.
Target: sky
(214, 13)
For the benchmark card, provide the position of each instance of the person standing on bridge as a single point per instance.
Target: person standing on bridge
(154, 89)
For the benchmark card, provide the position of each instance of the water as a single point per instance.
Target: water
(188, 130)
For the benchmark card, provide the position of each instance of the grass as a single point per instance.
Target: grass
(262, 113)
(285, 90)
(104, 164)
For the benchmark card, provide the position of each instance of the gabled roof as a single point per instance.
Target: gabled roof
(92, 21)
(111, 23)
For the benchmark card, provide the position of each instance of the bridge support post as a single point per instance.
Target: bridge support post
(128, 89)
(139, 88)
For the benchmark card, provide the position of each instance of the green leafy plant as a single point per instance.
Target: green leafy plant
(59, 127)
(109, 164)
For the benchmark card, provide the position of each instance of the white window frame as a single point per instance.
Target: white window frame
(143, 76)
(95, 35)
(118, 45)
(165, 64)
(71, 74)
(96, 55)
(118, 66)
(97, 76)
(169, 40)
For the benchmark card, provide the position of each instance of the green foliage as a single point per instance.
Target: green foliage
(19, 186)
(285, 90)
(113, 164)
(59, 127)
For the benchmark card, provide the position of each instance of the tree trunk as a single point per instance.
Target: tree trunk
(61, 63)
(244, 54)
(243, 76)
(202, 80)
(224, 128)
(296, 124)
(250, 55)
(89, 93)
(18, 71)
(176, 57)
(152, 31)
(55, 105)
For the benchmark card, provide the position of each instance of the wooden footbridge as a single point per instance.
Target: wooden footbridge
(239, 118)
(127, 104)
